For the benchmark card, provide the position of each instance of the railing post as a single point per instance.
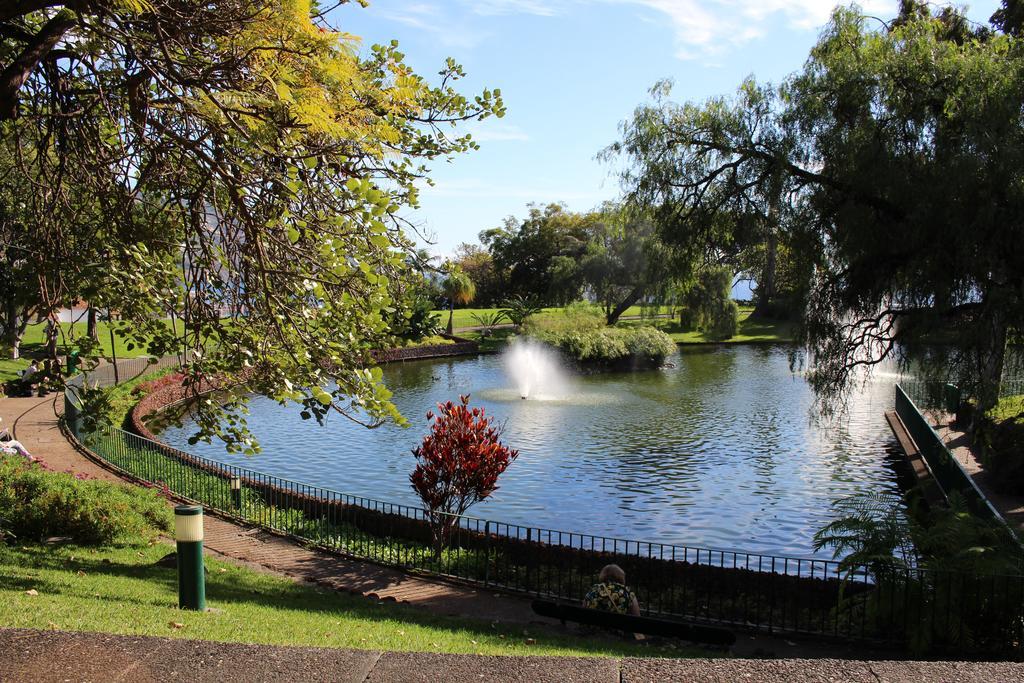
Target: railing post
(487, 552)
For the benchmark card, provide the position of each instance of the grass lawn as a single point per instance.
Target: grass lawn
(756, 331)
(34, 339)
(118, 590)
(464, 316)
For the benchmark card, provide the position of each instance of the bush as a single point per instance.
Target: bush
(1000, 436)
(414, 318)
(723, 321)
(36, 503)
(580, 333)
(457, 465)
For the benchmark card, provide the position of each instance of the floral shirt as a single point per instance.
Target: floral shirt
(609, 596)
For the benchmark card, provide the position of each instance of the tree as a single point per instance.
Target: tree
(458, 465)
(458, 289)
(236, 164)
(708, 304)
(625, 261)
(539, 256)
(893, 160)
(477, 263)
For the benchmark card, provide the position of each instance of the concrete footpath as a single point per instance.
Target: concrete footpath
(28, 656)
(34, 422)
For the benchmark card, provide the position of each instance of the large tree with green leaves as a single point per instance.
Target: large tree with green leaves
(894, 161)
(236, 163)
(538, 256)
(625, 261)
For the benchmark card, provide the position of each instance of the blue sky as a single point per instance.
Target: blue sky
(570, 71)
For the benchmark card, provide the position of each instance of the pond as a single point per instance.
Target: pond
(716, 450)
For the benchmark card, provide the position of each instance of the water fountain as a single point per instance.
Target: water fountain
(535, 370)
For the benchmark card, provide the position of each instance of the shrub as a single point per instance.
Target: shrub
(414, 318)
(723, 319)
(37, 503)
(1000, 436)
(518, 309)
(458, 465)
(580, 333)
(708, 305)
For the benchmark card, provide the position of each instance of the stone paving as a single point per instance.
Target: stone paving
(30, 656)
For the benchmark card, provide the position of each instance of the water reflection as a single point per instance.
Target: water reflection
(716, 451)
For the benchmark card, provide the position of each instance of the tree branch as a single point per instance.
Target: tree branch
(18, 71)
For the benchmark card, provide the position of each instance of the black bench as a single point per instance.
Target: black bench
(627, 622)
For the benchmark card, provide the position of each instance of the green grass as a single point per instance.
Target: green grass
(1008, 408)
(119, 590)
(496, 341)
(10, 369)
(756, 331)
(464, 316)
(33, 341)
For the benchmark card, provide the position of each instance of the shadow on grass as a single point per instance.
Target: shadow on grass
(246, 587)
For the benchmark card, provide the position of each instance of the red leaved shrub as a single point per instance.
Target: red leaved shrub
(458, 465)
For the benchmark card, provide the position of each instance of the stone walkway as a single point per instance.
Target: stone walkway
(29, 656)
(959, 443)
(33, 421)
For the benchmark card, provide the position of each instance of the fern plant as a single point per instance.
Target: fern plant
(938, 570)
(488, 321)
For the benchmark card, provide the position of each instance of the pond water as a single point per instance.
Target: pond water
(717, 450)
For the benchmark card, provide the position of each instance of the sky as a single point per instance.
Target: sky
(570, 71)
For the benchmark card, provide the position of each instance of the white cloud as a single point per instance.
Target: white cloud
(450, 31)
(496, 7)
(705, 28)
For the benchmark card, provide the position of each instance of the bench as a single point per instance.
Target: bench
(631, 624)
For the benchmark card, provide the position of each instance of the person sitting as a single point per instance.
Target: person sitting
(14, 447)
(28, 380)
(9, 445)
(610, 593)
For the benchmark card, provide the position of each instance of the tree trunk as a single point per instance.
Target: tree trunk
(630, 299)
(90, 325)
(18, 71)
(766, 281)
(991, 357)
(451, 315)
(12, 339)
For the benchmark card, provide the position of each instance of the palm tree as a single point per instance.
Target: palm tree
(458, 288)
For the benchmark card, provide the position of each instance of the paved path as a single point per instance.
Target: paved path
(29, 656)
(33, 421)
(959, 443)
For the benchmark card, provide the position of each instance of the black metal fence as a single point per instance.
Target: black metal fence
(777, 594)
(948, 473)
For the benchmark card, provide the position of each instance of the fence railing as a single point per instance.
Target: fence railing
(948, 473)
(777, 594)
(111, 374)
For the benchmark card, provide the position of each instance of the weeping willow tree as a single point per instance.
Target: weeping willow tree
(890, 166)
(241, 165)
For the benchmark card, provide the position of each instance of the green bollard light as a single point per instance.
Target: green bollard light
(188, 533)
